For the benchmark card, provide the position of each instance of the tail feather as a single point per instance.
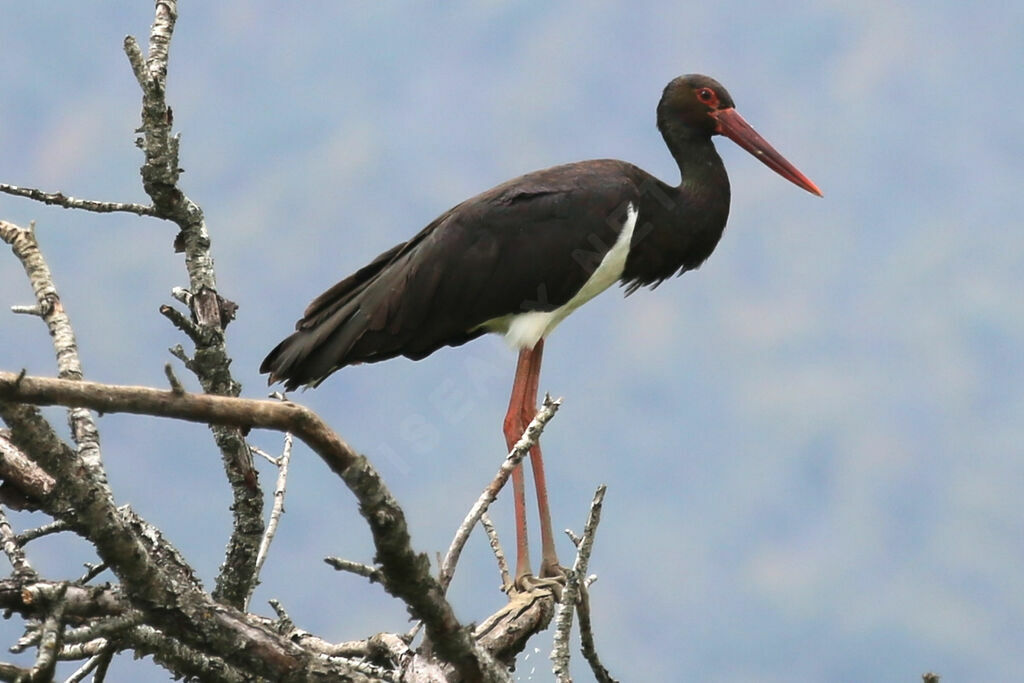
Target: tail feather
(326, 337)
(310, 354)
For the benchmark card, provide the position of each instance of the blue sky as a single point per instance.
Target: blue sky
(812, 444)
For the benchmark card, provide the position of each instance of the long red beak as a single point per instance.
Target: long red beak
(733, 126)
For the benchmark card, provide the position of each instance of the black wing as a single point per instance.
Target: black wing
(528, 244)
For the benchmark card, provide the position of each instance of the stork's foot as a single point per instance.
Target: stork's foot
(553, 570)
(551, 579)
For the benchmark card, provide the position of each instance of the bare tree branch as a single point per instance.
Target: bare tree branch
(49, 643)
(92, 571)
(506, 632)
(160, 174)
(372, 573)
(183, 659)
(103, 665)
(45, 530)
(499, 554)
(26, 248)
(519, 451)
(18, 471)
(105, 627)
(85, 467)
(13, 549)
(153, 576)
(60, 199)
(408, 573)
(33, 435)
(35, 597)
(567, 604)
(275, 513)
(159, 606)
(10, 672)
(98, 661)
(587, 645)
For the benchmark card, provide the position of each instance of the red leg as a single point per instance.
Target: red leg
(513, 429)
(549, 559)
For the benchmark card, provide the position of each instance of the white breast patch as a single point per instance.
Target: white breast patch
(524, 330)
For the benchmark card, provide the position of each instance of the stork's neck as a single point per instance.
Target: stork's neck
(681, 225)
(702, 173)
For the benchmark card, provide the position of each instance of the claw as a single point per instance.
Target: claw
(528, 583)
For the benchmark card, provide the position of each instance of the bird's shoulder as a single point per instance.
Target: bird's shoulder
(560, 188)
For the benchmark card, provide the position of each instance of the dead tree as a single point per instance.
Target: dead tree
(157, 606)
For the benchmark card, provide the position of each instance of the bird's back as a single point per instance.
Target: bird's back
(526, 245)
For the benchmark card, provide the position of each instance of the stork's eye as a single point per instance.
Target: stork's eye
(707, 96)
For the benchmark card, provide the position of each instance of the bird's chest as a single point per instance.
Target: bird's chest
(674, 238)
(525, 329)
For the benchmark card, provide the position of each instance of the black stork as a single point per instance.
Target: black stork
(520, 257)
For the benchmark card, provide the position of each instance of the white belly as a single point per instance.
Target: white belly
(524, 330)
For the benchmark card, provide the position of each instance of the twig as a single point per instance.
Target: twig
(77, 651)
(17, 469)
(499, 554)
(13, 549)
(34, 599)
(512, 460)
(182, 295)
(284, 622)
(272, 459)
(103, 665)
(176, 385)
(200, 335)
(84, 670)
(587, 645)
(12, 672)
(563, 620)
(31, 433)
(275, 513)
(372, 573)
(26, 248)
(27, 310)
(60, 199)
(106, 627)
(92, 571)
(186, 661)
(49, 643)
(30, 638)
(52, 528)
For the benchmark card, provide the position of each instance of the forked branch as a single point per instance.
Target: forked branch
(407, 573)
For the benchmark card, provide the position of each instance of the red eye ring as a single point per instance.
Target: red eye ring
(707, 96)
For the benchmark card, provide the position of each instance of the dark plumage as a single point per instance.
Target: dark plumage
(520, 257)
(528, 244)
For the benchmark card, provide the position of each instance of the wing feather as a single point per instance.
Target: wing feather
(528, 244)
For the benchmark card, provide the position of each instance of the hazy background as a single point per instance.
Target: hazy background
(813, 444)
